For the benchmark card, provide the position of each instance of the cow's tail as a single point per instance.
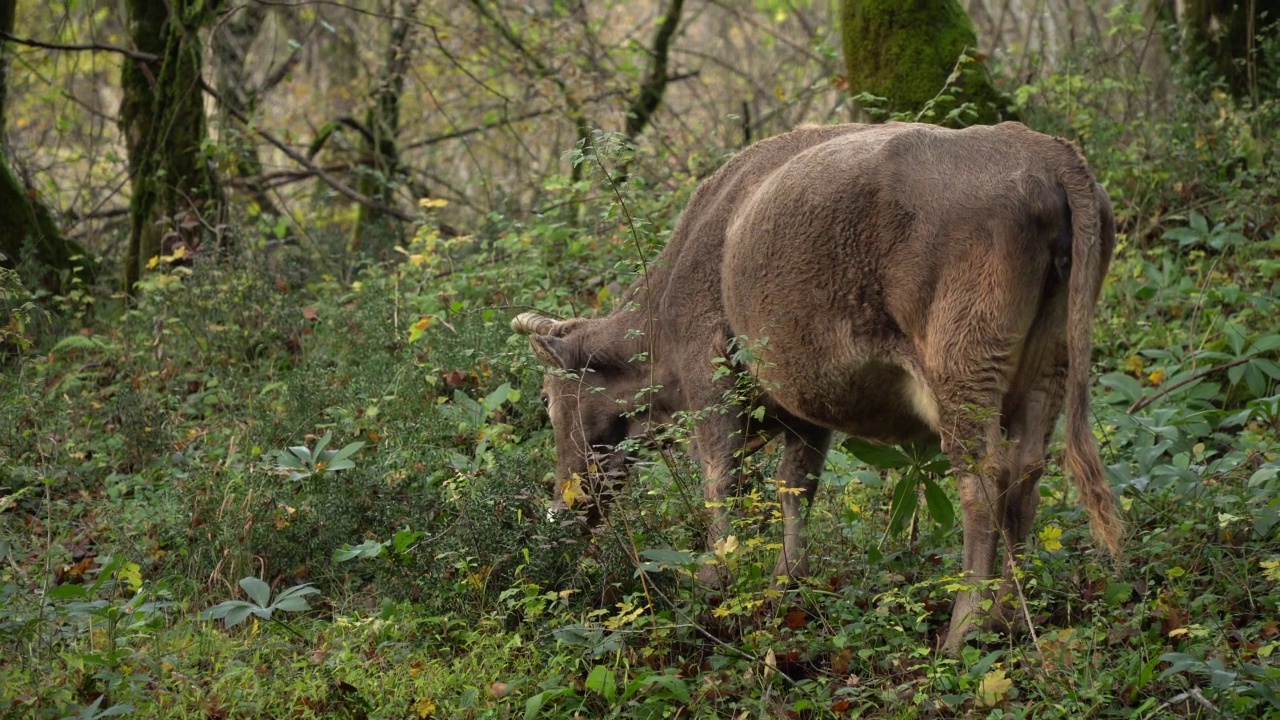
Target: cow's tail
(1083, 287)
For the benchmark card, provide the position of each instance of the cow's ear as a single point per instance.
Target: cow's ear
(557, 352)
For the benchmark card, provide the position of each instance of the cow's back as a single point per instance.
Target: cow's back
(838, 254)
(687, 275)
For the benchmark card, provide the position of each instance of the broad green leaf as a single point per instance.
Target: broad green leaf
(257, 590)
(237, 614)
(674, 686)
(494, 400)
(982, 666)
(366, 549)
(905, 501)
(667, 557)
(345, 453)
(881, 456)
(601, 681)
(321, 444)
(294, 599)
(1125, 386)
(940, 508)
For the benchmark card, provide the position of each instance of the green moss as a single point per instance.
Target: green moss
(904, 51)
(29, 233)
(165, 129)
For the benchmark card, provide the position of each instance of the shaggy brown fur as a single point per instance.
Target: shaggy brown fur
(902, 282)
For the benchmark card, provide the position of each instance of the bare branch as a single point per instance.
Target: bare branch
(87, 47)
(342, 188)
(1145, 401)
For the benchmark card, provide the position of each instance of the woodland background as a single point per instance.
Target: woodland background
(268, 448)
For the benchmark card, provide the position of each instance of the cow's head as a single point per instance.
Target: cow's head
(588, 391)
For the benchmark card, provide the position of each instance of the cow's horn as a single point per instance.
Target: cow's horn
(533, 324)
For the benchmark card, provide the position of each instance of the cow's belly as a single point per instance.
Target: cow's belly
(872, 399)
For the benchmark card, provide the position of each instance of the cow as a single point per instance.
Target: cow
(897, 282)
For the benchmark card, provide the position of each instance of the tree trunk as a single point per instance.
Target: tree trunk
(1222, 39)
(231, 41)
(651, 92)
(176, 196)
(29, 237)
(905, 50)
(375, 233)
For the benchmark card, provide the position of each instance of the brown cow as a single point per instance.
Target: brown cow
(901, 282)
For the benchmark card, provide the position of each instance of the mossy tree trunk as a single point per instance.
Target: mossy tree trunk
(376, 233)
(905, 50)
(176, 195)
(28, 233)
(231, 40)
(1222, 38)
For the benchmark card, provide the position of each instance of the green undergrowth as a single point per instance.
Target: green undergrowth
(260, 490)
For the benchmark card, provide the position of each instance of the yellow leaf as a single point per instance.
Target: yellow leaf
(131, 574)
(1134, 365)
(1051, 537)
(424, 708)
(1156, 377)
(153, 263)
(571, 492)
(993, 688)
(432, 202)
(1177, 632)
(770, 663)
(419, 327)
(726, 546)
(1271, 568)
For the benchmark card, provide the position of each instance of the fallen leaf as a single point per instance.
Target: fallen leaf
(424, 708)
(993, 688)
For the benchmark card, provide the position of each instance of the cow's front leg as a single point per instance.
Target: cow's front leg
(723, 474)
(798, 474)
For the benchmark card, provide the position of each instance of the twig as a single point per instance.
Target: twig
(1145, 401)
(333, 182)
(482, 127)
(90, 47)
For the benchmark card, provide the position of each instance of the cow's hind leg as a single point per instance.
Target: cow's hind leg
(798, 472)
(981, 468)
(1031, 411)
(978, 335)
